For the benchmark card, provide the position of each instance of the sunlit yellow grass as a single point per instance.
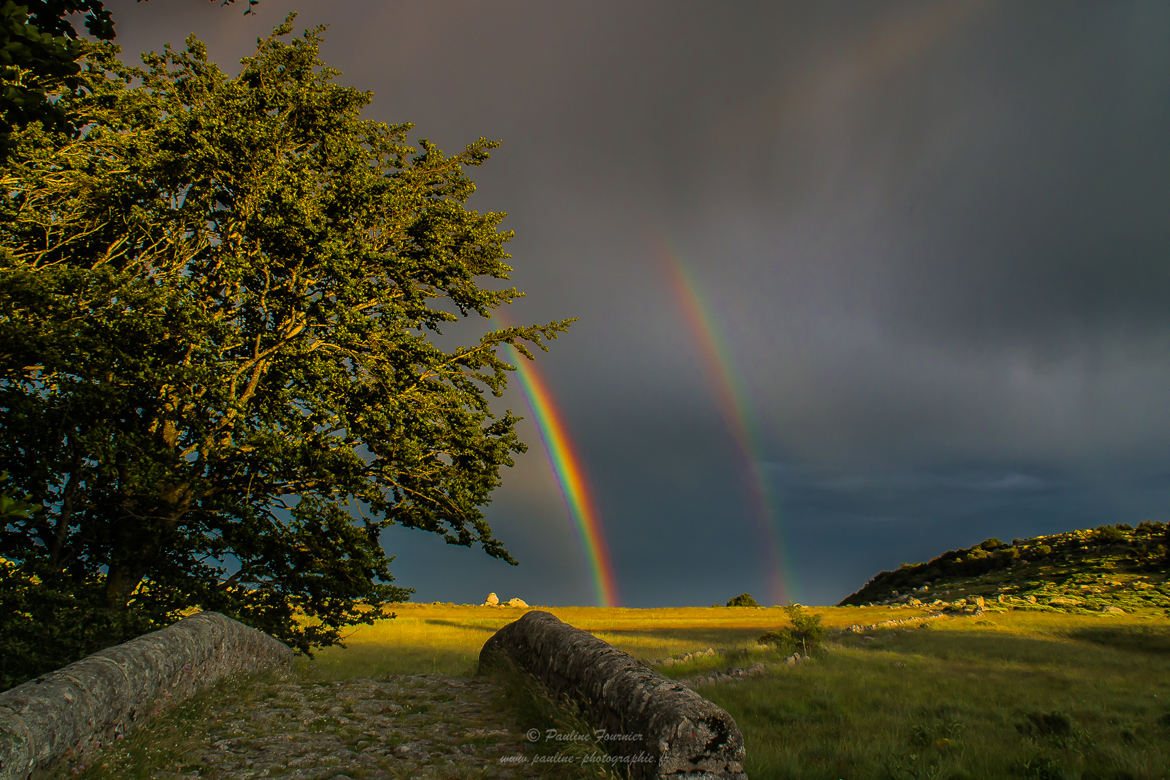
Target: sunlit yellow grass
(446, 638)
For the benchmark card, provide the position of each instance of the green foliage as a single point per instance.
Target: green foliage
(1109, 534)
(805, 633)
(220, 374)
(743, 600)
(13, 507)
(806, 627)
(39, 57)
(46, 624)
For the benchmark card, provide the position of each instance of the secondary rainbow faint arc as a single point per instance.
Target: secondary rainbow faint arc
(570, 475)
(733, 399)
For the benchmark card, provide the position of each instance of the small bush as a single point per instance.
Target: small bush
(1007, 556)
(743, 600)
(991, 544)
(805, 633)
(1109, 534)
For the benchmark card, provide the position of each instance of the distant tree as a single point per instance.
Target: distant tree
(219, 304)
(743, 600)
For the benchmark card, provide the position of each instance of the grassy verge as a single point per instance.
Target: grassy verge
(1011, 695)
(558, 733)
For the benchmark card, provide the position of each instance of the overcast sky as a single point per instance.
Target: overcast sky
(932, 238)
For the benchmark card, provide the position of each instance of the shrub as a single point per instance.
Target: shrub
(1109, 534)
(805, 633)
(991, 544)
(1007, 556)
(743, 600)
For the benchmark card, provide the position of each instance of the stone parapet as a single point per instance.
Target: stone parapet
(663, 728)
(101, 697)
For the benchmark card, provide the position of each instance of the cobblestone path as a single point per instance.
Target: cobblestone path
(407, 726)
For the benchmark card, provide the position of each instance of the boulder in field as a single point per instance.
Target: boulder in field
(492, 600)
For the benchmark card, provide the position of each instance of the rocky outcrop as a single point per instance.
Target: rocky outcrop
(492, 600)
(516, 601)
(101, 697)
(658, 727)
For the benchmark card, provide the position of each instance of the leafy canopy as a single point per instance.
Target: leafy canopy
(743, 600)
(222, 369)
(40, 53)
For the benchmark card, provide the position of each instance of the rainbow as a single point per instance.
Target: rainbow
(734, 400)
(570, 475)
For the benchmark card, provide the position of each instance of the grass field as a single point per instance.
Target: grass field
(1010, 694)
(1014, 694)
(446, 639)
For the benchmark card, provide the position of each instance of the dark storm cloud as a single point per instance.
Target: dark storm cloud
(929, 235)
(1047, 228)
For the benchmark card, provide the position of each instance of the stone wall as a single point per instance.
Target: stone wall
(101, 697)
(663, 728)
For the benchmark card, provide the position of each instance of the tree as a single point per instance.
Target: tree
(221, 311)
(743, 600)
(805, 633)
(40, 53)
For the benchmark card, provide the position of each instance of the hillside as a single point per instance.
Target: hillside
(1110, 568)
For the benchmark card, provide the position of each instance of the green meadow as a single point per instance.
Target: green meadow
(1004, 694)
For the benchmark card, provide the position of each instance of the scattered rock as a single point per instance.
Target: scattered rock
(755, 670)
(678, 659)
(1114, 610)
(858, 628)
(492, 600)
(515, 602)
